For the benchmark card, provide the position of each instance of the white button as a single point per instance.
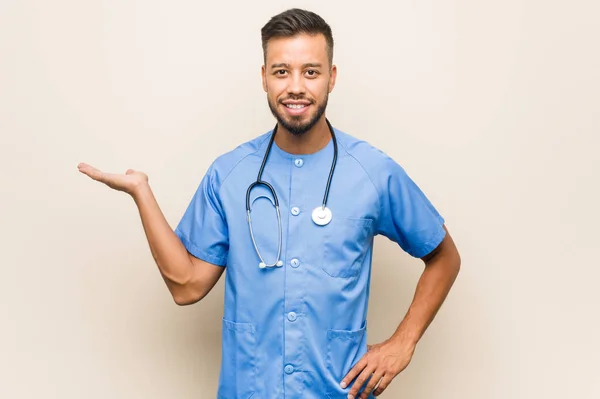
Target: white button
(289, 369)
(295, 262)
(295, 211)
(292, 316)
(299, 163)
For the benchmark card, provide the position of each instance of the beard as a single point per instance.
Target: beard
(294, 124)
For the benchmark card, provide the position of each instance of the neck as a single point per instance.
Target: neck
(308, 143)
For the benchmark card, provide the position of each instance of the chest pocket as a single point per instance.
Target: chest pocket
(346, 241)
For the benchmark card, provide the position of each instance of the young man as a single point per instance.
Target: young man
(297, 245)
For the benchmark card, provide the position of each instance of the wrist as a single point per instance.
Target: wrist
(140, 191)
(404, 339)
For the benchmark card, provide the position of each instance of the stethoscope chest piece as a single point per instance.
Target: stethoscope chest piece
(321, 215)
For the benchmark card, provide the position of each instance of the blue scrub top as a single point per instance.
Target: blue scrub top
(295, 331)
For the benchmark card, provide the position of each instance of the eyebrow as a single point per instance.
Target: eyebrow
(308, 65)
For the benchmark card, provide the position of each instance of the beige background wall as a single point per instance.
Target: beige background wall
(491, 106)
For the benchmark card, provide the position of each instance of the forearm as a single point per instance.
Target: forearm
(168, 251)
(432, 289)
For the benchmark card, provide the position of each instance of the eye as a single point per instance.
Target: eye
(312, 73)
(280, 72)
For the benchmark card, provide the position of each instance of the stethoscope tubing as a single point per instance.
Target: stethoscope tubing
(260, 182)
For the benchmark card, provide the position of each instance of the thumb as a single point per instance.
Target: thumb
(129, 171)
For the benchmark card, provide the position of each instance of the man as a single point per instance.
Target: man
(297, 281)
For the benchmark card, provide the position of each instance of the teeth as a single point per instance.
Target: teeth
(295, 106)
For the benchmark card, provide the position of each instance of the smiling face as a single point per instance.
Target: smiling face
(297, 78)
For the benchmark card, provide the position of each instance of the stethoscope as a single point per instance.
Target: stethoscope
(321, 215)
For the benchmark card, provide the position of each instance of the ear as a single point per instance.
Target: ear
(264, 78)
(332, 77)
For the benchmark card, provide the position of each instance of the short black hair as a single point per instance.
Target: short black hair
(293, 22)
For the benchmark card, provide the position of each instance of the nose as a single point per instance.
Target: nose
(296, 84)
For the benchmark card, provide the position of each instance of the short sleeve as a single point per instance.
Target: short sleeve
(407, 217)
(203, 229)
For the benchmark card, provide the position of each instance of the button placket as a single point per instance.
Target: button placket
(294, 325)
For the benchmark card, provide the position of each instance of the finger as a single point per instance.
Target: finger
(358, 367)
(112, 180)
(360, 381)
(375, 378)
(383, 384)
(90, 171)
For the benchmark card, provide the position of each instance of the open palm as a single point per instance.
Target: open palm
(127, 182)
